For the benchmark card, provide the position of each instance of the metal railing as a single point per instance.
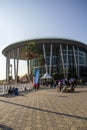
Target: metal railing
(21, 87)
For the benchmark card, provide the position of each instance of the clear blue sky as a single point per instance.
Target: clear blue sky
(27, 19)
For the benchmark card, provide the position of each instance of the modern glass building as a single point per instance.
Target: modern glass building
(64, 58)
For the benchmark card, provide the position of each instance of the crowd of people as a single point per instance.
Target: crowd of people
(67, 85)
(62, 85)
(13, 90)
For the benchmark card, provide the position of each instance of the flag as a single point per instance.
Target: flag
(37, 76)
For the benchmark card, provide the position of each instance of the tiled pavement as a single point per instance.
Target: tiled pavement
(44, 109)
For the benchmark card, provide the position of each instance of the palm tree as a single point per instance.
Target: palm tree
(30, 52)
(42, 60)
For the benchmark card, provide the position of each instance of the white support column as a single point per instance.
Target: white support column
(67, 62)
(75, 59)
(62, 60)
(50, 67)
(14, 65)
(28, 67)
(31, 66)
(17, 62)
(78, 60)
(7, 69)
(45, 57)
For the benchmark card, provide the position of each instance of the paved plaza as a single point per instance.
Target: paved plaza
(45, 109)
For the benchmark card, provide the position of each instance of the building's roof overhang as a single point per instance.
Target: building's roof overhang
(45, 41)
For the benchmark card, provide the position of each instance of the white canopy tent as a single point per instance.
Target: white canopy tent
(46, 76)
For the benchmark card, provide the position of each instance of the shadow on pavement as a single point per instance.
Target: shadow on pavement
(12, 95)
(4, 127)
(46, 111)
(21, 93)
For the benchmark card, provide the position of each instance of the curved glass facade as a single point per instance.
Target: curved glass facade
(70, 60)
(64, 58)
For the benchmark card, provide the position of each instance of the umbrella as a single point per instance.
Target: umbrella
(46, 76)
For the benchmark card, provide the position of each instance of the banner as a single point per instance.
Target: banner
(37, 76)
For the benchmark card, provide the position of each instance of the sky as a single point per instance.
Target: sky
(29, 19)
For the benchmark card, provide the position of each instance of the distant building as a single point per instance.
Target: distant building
(64, 58)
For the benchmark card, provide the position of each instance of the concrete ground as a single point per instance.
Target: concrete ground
(45, 109)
